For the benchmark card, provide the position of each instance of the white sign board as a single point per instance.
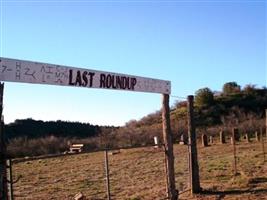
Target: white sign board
(42, 73)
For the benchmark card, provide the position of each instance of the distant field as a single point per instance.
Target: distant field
(137, 174)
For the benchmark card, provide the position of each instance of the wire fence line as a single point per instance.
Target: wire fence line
(138, 165)
(134, 171)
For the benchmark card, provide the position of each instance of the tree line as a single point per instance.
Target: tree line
(31, 128)
(234, 106)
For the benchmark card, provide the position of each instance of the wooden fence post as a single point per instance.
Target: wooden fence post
(3, 177)
(262, 144)
(235, 134)
(257, 136)
(167, 137)
(193, 159)
(234, 152)
(266, 124)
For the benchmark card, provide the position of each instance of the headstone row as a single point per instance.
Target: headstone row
(235, 137)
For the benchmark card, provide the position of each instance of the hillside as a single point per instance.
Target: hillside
(232, 107)
(36, 129)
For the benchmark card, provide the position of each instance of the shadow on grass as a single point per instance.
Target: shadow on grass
(257, 180)
(252, 182)
(222, 194)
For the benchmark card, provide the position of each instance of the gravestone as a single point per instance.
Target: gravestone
(222, 137)
(211, 140)
(182, 140)
(156, 142)
(204, 140)
(231, 140)
(247, 138)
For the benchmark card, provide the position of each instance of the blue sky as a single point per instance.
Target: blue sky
(194, 44)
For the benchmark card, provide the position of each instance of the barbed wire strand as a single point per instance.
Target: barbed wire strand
(178, 97)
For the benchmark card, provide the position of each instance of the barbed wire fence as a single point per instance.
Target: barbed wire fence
(108, 168)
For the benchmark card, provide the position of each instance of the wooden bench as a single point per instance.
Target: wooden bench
(114, 152)
(76, 148)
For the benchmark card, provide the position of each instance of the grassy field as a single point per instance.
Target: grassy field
(137, 174)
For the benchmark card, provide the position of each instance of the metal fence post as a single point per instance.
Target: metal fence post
(107, 174)
(10, 179)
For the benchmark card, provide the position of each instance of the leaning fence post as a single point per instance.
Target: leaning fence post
(167, 137)
(107, 174)
(193, 159)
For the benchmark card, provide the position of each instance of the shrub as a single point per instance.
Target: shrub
(20, 147)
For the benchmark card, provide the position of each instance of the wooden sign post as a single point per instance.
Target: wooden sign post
(167, 137)
(22, 71)
(3, 175)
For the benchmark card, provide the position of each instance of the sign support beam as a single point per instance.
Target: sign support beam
(167, 137)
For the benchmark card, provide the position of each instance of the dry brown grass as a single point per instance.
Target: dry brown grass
(137, 174)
